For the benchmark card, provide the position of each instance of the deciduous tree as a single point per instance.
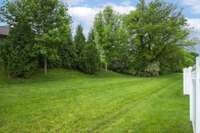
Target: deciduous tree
(156, 30)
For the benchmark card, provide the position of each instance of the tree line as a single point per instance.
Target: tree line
(148, 41)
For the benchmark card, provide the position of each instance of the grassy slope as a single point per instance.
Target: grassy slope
(67, 101)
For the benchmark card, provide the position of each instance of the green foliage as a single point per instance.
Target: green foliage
(104, 28)
(149, 41)
(79, 39)
(90, 56)
(51, 25)
(90, 59)
(36, 32)
(153, 69)
(189, 58)
(157, 32)
(80, 42)
(2, 43)
(67, 53)
(120, 59)
(178, 59)
(111, 38)
(17, 51)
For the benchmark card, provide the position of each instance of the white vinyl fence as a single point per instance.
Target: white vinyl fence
(191, 87)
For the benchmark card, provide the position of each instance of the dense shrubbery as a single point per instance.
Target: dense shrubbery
(67, 54)
(17, 52)
(148, 41)
(89, 59)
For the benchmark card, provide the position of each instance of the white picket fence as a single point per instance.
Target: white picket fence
(191, 87)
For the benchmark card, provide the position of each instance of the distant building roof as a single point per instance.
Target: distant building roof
(4, 30)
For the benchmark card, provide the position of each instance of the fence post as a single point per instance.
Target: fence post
(189, 80)
(184, 84)
(184, 81)
(198, 95)
(191, 92)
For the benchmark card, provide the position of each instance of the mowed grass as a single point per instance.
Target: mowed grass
(72, 102)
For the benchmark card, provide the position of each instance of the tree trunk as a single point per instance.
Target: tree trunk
(106, 67)
(45, 66)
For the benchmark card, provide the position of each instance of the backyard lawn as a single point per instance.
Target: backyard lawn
(72, 102)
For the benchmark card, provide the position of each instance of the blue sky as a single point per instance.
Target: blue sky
(84, 11)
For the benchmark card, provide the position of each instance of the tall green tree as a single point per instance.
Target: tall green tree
(79, 39)
(45, 25)
(120, 57)
(67, 52)
(17, 51)
(156, 31)
(105, 26)
(90, 57)
(51, 24)
(80, 42)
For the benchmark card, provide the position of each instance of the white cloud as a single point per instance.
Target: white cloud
(85, 15)
(194, 4)
(194, 23)
(122, 9)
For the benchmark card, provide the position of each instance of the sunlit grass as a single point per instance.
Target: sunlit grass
(69, 101)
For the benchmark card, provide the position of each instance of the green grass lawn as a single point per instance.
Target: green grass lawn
(71, 102)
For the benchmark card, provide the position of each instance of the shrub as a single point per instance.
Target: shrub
(68, 57)
(152, 69)
(89, 61)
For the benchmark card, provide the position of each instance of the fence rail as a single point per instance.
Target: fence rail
(191, 87)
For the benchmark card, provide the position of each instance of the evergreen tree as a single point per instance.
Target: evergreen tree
(80, 42)
(67, 53)
(90, 57)
(17, 50)
(38, 27)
